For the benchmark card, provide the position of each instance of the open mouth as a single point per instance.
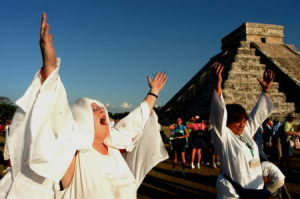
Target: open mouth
(103, 121)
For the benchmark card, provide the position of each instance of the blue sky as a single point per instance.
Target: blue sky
(109, 47)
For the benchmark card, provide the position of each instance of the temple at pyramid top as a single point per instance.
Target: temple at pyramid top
(254, 32)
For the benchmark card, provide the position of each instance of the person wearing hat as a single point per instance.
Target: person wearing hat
(288, 135)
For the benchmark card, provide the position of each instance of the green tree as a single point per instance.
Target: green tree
(7, 108)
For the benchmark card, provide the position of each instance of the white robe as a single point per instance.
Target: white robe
(100, 176)
(235, 156)
(44, 138)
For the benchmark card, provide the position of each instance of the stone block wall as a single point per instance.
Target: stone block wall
(243, 64)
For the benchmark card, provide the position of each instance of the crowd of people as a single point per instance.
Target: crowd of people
(192, 141)
(277, 141)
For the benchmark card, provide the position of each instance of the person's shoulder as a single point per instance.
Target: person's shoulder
(182, 126)
(287, 124)
(188, 125)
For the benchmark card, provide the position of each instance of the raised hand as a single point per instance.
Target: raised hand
(217, 71)
(47, 50)
(157, 83)
(267, 80)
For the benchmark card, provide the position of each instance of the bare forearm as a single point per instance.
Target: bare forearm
(66, 180)
(218, 69)
(218, 88)
(151, 98)
(292, 133)
(156, 85)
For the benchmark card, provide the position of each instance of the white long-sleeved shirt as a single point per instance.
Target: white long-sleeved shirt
(234, 154)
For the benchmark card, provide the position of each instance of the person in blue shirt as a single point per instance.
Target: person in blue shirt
(179, 141)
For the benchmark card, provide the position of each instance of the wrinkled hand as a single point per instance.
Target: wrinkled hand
(47, 50)
(267, 80)
(217, 70)
(157, 83)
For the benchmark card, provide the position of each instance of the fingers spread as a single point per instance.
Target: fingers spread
(268, 75)
(219, 68)
(160, 76)
(149, 79)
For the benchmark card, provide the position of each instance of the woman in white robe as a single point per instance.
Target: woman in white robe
(52, 144)
(232, 138)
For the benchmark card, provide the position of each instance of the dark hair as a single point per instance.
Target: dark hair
(235, 113)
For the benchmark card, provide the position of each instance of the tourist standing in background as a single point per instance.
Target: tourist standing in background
(196, 144)
(258, 138)
(179, 137)
(276, 152)
(267, 135)
(287, 137)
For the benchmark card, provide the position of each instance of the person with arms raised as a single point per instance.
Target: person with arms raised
(62, 151)
(232, 136)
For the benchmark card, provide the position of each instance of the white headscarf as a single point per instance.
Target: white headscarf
(83, 114)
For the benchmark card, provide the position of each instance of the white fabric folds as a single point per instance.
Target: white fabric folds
(235, 156)
(45, 135)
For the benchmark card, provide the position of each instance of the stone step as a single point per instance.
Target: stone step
(250, 76)
(232, 96)
(246, 51)
(246, 86)
(278, 107)
(244, 95)
(281, 107)
(289, 107)
(240, 67)
(245, 44)
(249, 64)
(246, 59)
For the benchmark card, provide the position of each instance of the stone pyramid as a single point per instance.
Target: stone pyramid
(246, 52)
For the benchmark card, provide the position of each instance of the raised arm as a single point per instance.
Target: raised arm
(263, 107)
(218, 114)
(47, 50)
(267, 81)
(156, 85)
(218, 69)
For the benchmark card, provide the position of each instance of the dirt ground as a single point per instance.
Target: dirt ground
(199, 183)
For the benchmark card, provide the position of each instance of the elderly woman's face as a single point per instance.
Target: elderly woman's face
(238, 126)
(101, 126)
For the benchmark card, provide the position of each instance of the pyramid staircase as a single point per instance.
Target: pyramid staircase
(244, 60)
